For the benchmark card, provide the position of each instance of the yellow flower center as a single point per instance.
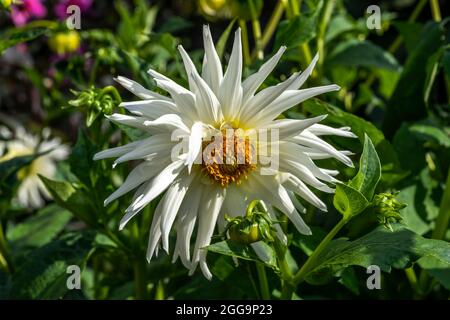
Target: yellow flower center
(228, 157)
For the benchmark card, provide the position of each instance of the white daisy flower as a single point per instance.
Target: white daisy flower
(201, 192)
(32, 192)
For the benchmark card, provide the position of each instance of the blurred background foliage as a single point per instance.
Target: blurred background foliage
(395, 88)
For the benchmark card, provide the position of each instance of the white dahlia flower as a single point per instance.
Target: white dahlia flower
(202, 186)
(32, 192)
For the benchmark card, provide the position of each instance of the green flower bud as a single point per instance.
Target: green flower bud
(253, 227)
(387, 208)
(95, 101)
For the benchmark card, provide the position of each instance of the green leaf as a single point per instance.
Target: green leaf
(355, 53)
(220, 46)
(298, 30)
(422, 195)
(438, 269)
(369, 172)
(80, 160)
(67, 196)
(15, 36)
(381, 247)
(232, 249)
(427, 132)
(349, 201)
(407, 102)
(39, 229)
(44, 274)
(410, 32)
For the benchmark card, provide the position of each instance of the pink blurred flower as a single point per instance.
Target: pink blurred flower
(62, 5)
(22, 12)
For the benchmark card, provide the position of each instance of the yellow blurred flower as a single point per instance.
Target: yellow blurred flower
(64, 42)
(6, 3)
(214, 9)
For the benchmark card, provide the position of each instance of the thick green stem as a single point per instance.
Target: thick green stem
(309, 264)
(325, 19)
(256, 27)
(273, 23)
(412, 278)
(160, 294)
(245, 45)
(286, 275)
(435, 10)
(444, 213)
(140, 279)
(263, 283)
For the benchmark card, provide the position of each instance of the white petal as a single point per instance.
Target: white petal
(213, 65)
(252, 83)
(168, 123)
(207, 103)
(210, 207)
(310, 140)
(297, 186)
(188, 214)
(171, 203)
(287, 100)
(139, 90)
(136, 177)
(279, 198)
(154, 236)
(320, 129)
(189, 67)
(304, 75)
(117, 151)
(149, 151)
(230, 92)
(195, 144)
(154, 189)
(184, 99)
(150, 109)
(131, 121)
(291, 127)
(300, 170)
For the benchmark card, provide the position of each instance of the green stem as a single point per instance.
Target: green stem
(286, 275)
(256, 27)
(443, 218)
(160, 294)
(245, 46)
(263, 283)
(435, 10)
(140, 279)
(293, 10)
(294, 6)
(273, 23)
(326, 16)
(412, 278)
(309, 264)
(5, 260)
(287, 291)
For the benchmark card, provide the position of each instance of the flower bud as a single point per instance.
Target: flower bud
(95, 101)
(387, 208)
(253, 227)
